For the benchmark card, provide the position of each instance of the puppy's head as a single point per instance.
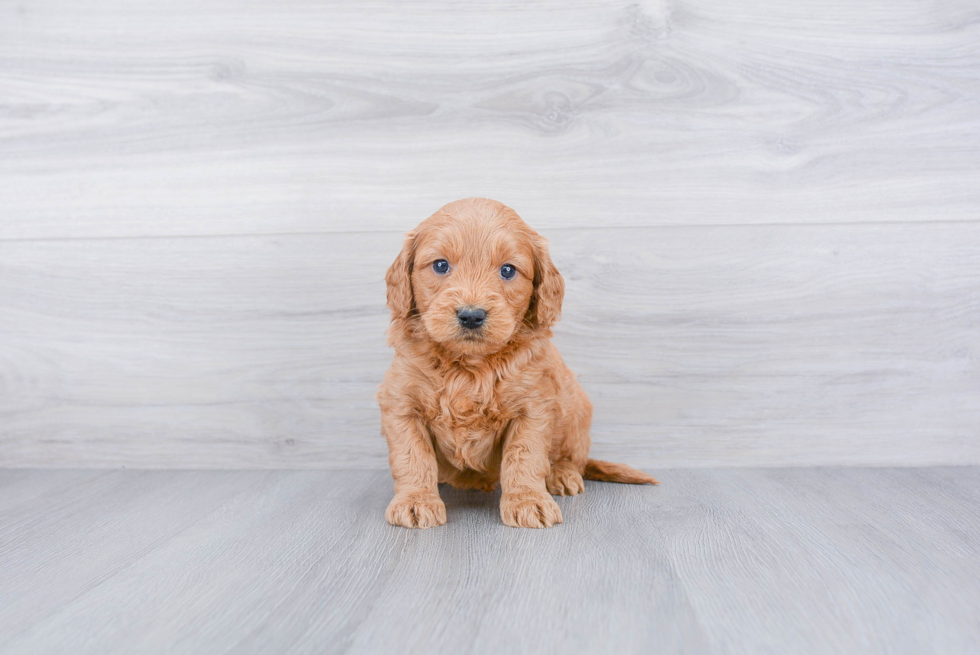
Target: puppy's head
(471, 277)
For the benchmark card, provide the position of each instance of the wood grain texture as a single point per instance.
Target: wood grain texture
(230, 117)
(765, 345)
(78, 535)
(766, 213)
(712, 561)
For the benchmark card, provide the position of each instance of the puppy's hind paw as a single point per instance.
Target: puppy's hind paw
(565, 481)
(529, 512)
(416, 510)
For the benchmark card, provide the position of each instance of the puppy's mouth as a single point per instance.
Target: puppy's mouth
(467, 334)
(474, 341)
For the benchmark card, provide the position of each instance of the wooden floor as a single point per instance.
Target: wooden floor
(834, 560)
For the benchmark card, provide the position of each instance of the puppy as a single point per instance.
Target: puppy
(477, 394)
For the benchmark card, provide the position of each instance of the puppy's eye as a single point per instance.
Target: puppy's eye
(440, 266)
(508, 272)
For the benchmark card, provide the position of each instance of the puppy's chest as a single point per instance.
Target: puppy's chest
(471, 415)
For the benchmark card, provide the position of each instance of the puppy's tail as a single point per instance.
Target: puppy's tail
(596, 469)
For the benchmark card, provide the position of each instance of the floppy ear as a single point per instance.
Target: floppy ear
(549, 288)
(401, 300)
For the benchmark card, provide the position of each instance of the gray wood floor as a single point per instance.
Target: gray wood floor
(767, 213)
(822, 560)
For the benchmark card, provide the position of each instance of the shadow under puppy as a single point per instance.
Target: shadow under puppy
(477, 394)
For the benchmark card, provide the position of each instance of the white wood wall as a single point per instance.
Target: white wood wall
(767, 214)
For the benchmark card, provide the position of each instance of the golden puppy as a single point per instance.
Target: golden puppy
(477, 394)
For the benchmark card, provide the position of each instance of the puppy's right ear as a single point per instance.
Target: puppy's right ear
(401, 300)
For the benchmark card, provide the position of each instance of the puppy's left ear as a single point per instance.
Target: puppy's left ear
(549, 288)
(401, 299)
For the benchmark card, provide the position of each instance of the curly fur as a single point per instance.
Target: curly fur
(478, 408)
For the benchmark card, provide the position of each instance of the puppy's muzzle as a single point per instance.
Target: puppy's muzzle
(471, 318)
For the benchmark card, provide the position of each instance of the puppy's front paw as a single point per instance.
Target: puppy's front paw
(529, 511)
(416, 510)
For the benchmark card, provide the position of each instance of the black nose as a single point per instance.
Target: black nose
(471, 317)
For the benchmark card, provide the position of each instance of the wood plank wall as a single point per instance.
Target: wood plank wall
(767, 214)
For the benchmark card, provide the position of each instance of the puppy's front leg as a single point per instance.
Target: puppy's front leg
(413, 466)
(525, 501)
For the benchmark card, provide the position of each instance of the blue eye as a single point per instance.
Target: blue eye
(440, 266)
(508, 272)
